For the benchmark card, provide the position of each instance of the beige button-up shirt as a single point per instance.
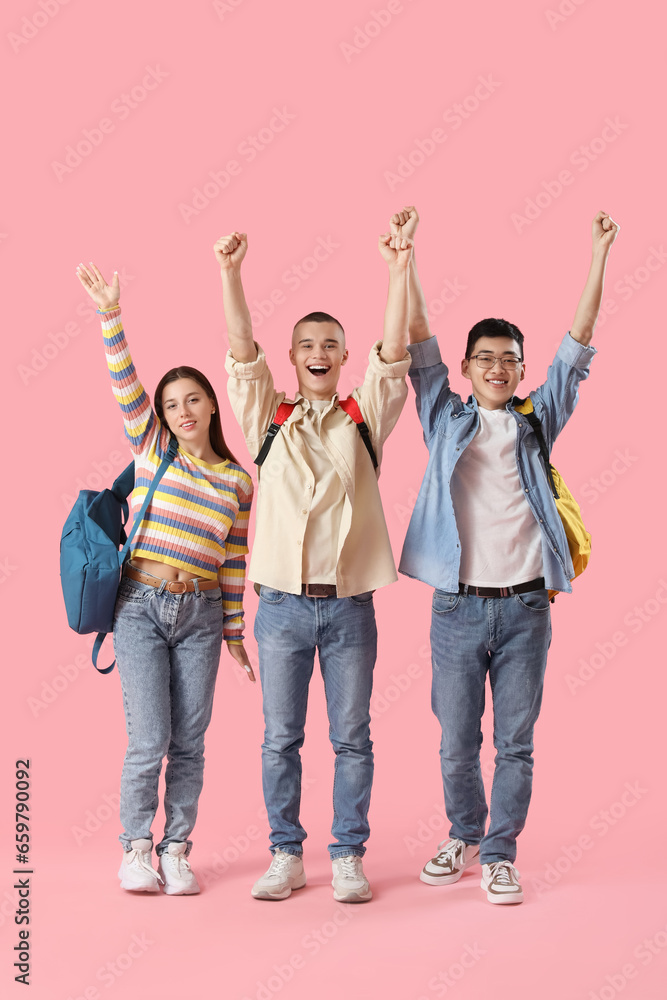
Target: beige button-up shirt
(287, 480)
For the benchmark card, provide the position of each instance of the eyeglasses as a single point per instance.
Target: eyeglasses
(488, 361)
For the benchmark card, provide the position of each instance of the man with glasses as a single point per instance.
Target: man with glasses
(486, 534)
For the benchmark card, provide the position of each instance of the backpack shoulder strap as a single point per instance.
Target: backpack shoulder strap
(282, 413)
(351, 407)
(525, 407)
(162, 468)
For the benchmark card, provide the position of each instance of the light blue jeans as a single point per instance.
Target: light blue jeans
(167, 649)
(508, 637)
(289, 628)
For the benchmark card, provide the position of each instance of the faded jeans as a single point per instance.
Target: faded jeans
(167, 648)
(289, 628)
(508, 637)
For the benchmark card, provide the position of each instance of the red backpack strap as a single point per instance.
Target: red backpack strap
(351, 407)
(282, 413)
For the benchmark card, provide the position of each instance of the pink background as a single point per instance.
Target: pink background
(360, 98)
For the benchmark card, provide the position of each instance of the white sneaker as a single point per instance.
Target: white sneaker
(136, 872)
(349, 883)
(179, 879)
(501, 881)
(284, 874)
(449, 864)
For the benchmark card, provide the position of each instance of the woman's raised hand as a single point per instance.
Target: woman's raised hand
(104, 296)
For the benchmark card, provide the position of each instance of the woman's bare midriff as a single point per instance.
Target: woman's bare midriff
(162, 570)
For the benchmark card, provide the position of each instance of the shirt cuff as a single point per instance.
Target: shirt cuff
(248, 369)
(574, 354)
(394, 369)
(115, 308)
(426, 354)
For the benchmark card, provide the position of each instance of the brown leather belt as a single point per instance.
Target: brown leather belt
(173, 586)
(519, 588)
(319, 589)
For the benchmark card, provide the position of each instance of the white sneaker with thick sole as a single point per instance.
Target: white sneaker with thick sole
(500, 879)
(136, 872)
(449, 864)
(283, 874)
(179, 878)
(350, 885)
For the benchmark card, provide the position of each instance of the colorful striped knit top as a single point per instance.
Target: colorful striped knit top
(198, 518)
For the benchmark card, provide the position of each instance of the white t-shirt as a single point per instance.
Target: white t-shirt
(320, 554)
(501, 542)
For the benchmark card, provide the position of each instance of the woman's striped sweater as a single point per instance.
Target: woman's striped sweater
(198, 517)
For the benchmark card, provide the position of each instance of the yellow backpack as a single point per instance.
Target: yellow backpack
(578, 539)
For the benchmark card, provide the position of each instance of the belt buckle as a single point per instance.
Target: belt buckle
(325, 590)
(177, 583)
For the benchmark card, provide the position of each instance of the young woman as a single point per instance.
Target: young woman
(181, 594)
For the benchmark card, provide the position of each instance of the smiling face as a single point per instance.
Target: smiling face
(318, 351)
(187, 412)
(493, 387)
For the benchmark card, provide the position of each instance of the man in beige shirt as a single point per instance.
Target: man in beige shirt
(321, 548)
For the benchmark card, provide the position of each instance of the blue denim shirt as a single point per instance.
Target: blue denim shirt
(432, 552)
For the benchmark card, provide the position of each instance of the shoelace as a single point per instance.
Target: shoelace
(138, 859)
(279, 864)
(349, 867)
(504, 873)
(451, 850)
(178, 861)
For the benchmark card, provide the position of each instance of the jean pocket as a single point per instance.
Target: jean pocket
(133, 592)
(364, 600)
(534, 600)
(444, 602)
(271, 596)
(212, 596)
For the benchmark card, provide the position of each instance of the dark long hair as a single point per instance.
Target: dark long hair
(216, 437)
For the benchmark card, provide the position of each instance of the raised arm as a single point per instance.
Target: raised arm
(404, 223)
(605, 231)
(397, 251)
(141, 423)
(230, 251)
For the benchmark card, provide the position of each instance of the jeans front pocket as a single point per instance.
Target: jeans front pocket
(212, 597)
(534, 600)
(271, 596)
(364, 600)
(444, 602)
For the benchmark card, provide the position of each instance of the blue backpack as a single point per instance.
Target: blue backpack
(91, 557)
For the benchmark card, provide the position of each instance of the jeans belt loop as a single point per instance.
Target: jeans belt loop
(161, 587)
(195, 583)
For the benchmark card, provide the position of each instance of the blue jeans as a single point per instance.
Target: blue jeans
(288, 629)
(509, 637)
(167, 648)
